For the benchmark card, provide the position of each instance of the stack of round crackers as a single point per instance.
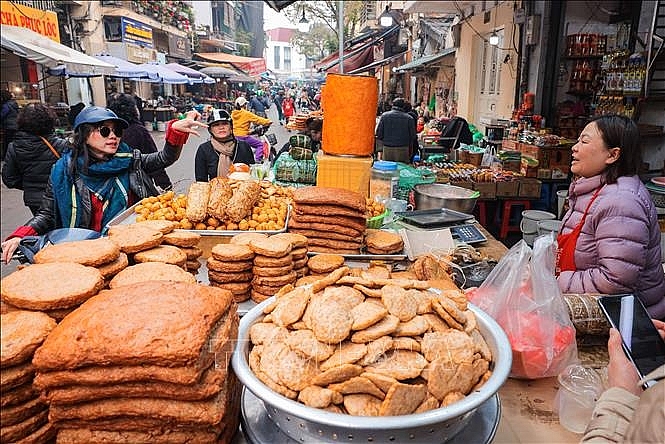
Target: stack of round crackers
(230, 267)
(383, 242)
(101, 253)
(188, 244)
(54, 288)
(299, 251)
(273, 266)
(24, 414)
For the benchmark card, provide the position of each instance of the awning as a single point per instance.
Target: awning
(230, 74)
(193, 75)
(125, 69)
(251, 65)
(164, 74)
(45, 51)
(278, 5)
(426, 60)
(377, 63)
(429, 7)
(356, 56)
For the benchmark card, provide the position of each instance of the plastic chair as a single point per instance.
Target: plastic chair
(506, 227)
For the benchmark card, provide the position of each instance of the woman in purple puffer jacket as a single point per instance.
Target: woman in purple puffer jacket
(610, 239)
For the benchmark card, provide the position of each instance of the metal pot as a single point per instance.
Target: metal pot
(309, 425)
(434, 196)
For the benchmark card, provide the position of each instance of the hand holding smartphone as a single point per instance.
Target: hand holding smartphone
(642, 342)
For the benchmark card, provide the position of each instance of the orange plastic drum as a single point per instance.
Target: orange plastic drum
(349, 105)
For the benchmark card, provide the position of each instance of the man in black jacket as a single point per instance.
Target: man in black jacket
(396, 133)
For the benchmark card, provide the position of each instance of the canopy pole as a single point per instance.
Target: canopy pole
(340, 31)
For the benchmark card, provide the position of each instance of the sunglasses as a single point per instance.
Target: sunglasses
(105, 131)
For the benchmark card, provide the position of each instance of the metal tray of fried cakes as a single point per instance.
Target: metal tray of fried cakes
(129, 217)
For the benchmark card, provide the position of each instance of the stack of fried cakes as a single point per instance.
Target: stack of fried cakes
(101, 253)
(273, 266)
(383, 242)
(146, 363)
(156, 241)
(299, 249)
(332, 219)
(55, 288)
(23, 416)
(230, 267)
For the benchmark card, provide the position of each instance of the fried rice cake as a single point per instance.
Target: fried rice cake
(112, 268)
(232, 252)
(325, 263)
(163, 226)
(21, 332)
(42, 287)
(329, 196)
(167, 254)
(90, 252)
(149, 320)
(135, 238)
(181, 238)
(151, 271)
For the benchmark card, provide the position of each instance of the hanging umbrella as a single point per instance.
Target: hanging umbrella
(126, 69)
(193, 75)
(165, 75)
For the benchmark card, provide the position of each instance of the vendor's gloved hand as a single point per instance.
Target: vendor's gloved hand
(9, 247)
(190, 123)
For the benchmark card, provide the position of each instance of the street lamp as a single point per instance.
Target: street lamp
(494, 39)
(386, 19)
(303, 24)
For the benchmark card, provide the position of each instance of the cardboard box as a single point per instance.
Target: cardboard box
(530, 188)
(529, 167)
(544, 173)
(351, 173)
(511, 165)
(507, 188)
(487, 189)
(467, 185)
(511, 145)
(548, 157)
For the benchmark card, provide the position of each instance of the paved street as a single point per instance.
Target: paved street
(14, 213)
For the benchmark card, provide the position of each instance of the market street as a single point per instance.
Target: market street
(14, 213)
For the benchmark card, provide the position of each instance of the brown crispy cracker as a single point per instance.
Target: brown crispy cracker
(403, 399)
(400, 364)
(362, 405)
(357, 384)
(366, 314)
(337, 374)
(344, 353)
(384, 327)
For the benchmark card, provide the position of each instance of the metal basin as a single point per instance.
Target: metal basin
(439, 195)
(309, 425)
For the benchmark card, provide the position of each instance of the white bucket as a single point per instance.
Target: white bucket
(530, 219)
(548, 226)
(161, 126)
(561, 197)
(148, 125)
(529, 238)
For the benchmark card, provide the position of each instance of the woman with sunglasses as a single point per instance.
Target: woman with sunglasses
(100, 176)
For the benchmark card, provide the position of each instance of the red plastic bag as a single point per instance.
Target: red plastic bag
(522, 295)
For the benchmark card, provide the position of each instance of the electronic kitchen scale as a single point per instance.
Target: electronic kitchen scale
(433, 218)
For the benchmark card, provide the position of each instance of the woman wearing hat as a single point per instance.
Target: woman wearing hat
(99, 176)
(214, 157)
(242, 122)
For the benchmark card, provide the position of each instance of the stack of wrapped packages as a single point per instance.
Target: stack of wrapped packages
(298, 165)
(332, 219)
(24, 416)
(143, 363)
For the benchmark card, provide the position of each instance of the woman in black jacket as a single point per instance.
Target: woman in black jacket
(136, 136)
(214, 157)
(32, 154)
(100, 176)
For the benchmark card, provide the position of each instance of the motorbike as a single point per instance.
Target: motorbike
(269, 141)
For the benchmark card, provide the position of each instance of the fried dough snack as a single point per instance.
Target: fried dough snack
(392, 349)
(240, 205)
(197, 201)
(220, 194)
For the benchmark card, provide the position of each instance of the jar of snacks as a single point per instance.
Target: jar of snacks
(384, 180)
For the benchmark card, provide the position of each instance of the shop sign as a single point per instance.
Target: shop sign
(37, 20)
(138, 54)
(136, 33)
(179, 47)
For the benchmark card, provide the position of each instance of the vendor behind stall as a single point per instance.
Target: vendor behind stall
(396, 133)
(214, 157)
(610, 239)
(100, 176)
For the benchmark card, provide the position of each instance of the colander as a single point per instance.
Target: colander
(309, 425)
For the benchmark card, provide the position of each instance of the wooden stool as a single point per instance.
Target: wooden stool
(505, 217)
(481, 210)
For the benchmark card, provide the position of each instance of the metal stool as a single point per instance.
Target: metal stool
(505, 216)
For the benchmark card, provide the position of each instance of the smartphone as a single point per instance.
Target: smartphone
(641, 340)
